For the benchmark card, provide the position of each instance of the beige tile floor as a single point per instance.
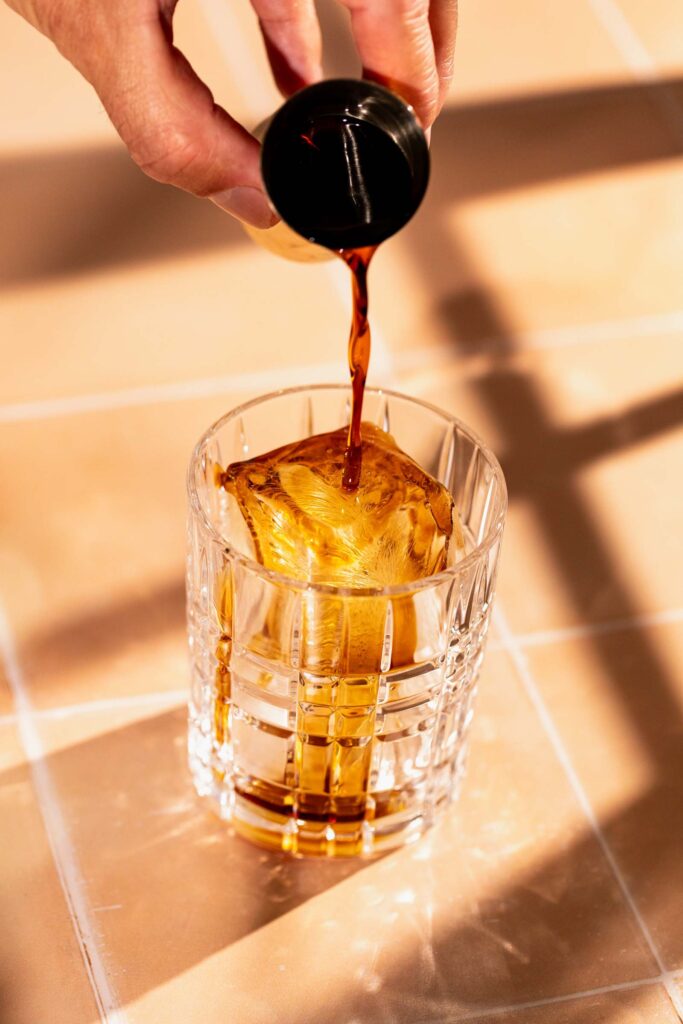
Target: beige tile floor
(540, 300)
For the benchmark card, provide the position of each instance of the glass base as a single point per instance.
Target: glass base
(387, 824)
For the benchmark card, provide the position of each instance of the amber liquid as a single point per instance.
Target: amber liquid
(395, 527)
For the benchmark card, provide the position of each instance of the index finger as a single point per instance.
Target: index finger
(394, 41)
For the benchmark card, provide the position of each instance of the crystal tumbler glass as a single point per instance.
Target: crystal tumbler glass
(333, 720)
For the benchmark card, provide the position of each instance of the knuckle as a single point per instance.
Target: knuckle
(166, 153)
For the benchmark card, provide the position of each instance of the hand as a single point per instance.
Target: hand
(166, 115)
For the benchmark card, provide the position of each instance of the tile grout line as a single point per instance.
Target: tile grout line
(588, 993)
(531, 1004)
(154, 698)
(625, 38)
(258, 380)
(152, 394)
(63, 853)
(250, 84)
(534, 694)
(571, 336)
(542, 638)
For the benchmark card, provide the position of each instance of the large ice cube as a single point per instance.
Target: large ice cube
(395, 528)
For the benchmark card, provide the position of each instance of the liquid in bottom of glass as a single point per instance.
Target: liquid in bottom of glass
(331, 718)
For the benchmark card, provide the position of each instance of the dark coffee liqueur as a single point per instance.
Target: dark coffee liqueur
(346, 166)
(344, 182)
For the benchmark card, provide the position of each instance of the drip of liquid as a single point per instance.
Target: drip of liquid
(358, 261)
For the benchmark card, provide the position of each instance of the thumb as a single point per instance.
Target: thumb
(168, 119)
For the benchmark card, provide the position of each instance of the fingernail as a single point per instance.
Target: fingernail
(248, 204)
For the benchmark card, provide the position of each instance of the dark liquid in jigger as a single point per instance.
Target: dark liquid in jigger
(343, 182)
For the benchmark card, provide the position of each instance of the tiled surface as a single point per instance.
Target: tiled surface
(540, 301)
(536, 49)
(619, 701)
(98, 585)
(42, 975)
(587, 434)
(480, 892)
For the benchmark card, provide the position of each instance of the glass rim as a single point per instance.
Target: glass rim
(394, 590)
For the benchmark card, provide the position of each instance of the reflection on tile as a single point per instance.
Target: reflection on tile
(41, 974)
(508, 888)
(647, 1005)
(589, 437)
(618, 701)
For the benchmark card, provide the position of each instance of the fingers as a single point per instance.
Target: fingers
(443, 19)
(394, 40)
(165, 115)
(291, 33)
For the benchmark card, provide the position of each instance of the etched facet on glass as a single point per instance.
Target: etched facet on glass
(328, 718)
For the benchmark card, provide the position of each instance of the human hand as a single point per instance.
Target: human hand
(166, 115)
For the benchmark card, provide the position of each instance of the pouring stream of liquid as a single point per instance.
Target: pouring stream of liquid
(358, 261)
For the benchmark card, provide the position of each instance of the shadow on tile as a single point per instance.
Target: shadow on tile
(541, 461)
(550, 458)
(516, 142)
(186, 884)
(99, 633)
(94, 209)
